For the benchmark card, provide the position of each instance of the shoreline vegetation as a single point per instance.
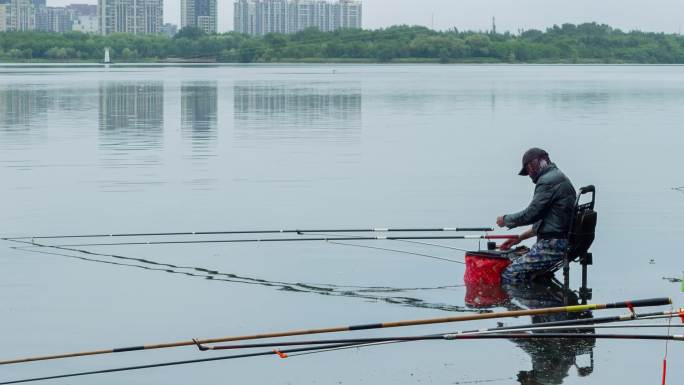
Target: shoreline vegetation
(588, 43)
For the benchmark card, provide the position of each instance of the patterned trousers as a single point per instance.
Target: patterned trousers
(543, 255)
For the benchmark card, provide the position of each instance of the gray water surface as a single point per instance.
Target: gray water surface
(203, 148)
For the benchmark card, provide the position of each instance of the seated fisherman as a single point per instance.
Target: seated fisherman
(550, 213)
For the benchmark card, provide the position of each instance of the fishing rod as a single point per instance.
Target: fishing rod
(282, 231)
(538, 327)
(285, 353)
(256, 240)
(569, 325)
(445, 336)
(595, 323)
(469, 317)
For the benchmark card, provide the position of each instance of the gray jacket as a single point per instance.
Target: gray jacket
(551, 209)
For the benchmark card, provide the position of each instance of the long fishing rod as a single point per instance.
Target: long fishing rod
(446, 336)
(257, 240)
(285, 353)
(569, 324)
(281, 231)
(586, 323)
(470, 317)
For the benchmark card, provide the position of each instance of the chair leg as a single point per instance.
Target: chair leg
(585, 292)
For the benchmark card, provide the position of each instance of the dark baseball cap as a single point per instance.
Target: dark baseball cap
(530, 155)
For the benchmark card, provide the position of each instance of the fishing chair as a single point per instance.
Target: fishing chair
(580, 238)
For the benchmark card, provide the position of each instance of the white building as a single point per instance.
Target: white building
(138, 17)
(259, 17)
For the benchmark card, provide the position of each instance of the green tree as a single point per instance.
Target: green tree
(192, 33)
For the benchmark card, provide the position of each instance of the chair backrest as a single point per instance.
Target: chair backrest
(583, 226)
(582, 231)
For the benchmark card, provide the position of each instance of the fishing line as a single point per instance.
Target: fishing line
(433, 244)
(392, 250)
(396, 251)
(35, 246)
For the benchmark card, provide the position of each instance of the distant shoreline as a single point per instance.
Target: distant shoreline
(47, 63)
(588, 43)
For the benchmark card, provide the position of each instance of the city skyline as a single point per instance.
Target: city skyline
(658, 16)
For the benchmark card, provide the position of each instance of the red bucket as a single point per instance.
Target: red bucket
(485, 267)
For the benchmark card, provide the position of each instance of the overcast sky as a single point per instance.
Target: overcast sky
(511, 15)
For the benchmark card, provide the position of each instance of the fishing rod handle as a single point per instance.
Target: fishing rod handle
(640, 303)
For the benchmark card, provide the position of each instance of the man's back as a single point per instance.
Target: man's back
(551, 208)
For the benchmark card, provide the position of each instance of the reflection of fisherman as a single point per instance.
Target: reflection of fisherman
(550, 213)
(552, 358)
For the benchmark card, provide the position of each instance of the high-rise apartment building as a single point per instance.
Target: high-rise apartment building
(41, 15)
(244, 17)
(259, 17)
(199, 14)
(137, 17)
(22, 16)
(34, 15)
(58, 19)
(4, 15)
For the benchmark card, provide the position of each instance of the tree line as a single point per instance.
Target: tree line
(567, 43)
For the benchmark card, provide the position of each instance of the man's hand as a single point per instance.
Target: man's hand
(500, 221)
(510, 243)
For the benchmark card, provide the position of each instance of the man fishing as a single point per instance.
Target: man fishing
(549, 213)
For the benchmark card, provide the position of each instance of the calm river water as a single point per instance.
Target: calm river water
(168, 148)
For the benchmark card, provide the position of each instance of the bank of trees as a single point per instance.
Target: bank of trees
(568, 43)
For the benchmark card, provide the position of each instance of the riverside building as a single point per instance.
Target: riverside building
(199, 14)
(138, 17)
(259, 17)
(34, 15)
(59, 19)
(4, 8)
(22, 16)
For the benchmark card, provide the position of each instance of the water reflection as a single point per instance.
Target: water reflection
(325, 111)
(384, 294)
(22, 109)
(552, 359)
(131, 115)
(199, 106)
